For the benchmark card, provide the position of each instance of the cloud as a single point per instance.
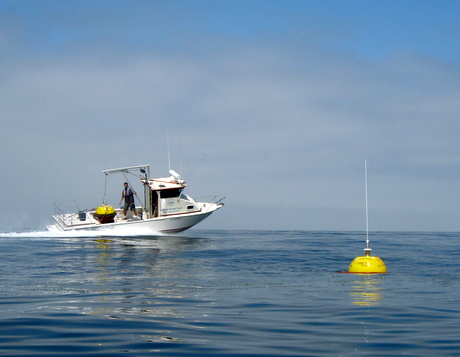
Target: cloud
(281, 130)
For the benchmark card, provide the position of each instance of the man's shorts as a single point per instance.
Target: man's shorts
(129, 206)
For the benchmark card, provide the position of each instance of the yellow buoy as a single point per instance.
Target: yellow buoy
(105, 210)
(105, 214)
(367, 264)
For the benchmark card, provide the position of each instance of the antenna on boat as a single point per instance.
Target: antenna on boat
(167, 143)
(367, 264)
(180, 155)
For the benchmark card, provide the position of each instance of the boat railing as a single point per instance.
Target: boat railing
(62, 215)
(60, 220)
(210, 199)
(219, 201)
(70, 206)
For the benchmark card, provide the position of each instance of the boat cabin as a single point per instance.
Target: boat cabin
(164, 197)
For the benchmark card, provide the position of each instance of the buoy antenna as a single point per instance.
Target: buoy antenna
(367, 250)
(367, 264)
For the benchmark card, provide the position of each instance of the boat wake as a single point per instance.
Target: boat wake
(138, 237)
(133, 232)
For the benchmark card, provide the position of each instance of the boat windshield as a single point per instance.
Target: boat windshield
(173, 192)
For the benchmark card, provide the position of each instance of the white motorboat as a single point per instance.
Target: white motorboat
(165, 208)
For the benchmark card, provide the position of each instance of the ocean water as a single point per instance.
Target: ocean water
(228, 293)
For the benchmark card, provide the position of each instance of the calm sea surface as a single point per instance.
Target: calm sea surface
(228, 293)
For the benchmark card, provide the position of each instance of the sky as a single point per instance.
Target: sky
(273, 104)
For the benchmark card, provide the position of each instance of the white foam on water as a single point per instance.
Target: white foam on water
(111, 232)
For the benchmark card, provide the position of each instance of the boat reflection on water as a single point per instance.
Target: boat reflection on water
(143, 277)
(366, 290)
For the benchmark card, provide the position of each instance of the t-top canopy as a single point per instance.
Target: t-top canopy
(165, 183)
(127, 169)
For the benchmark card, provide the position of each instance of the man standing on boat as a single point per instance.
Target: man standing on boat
(128, 194)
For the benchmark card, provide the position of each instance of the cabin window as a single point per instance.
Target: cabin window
(190, 207)
(171, 193)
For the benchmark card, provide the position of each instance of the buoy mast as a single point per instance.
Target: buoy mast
(367, 264)
(367, 250)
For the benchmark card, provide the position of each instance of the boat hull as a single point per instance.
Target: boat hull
(165, 225)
